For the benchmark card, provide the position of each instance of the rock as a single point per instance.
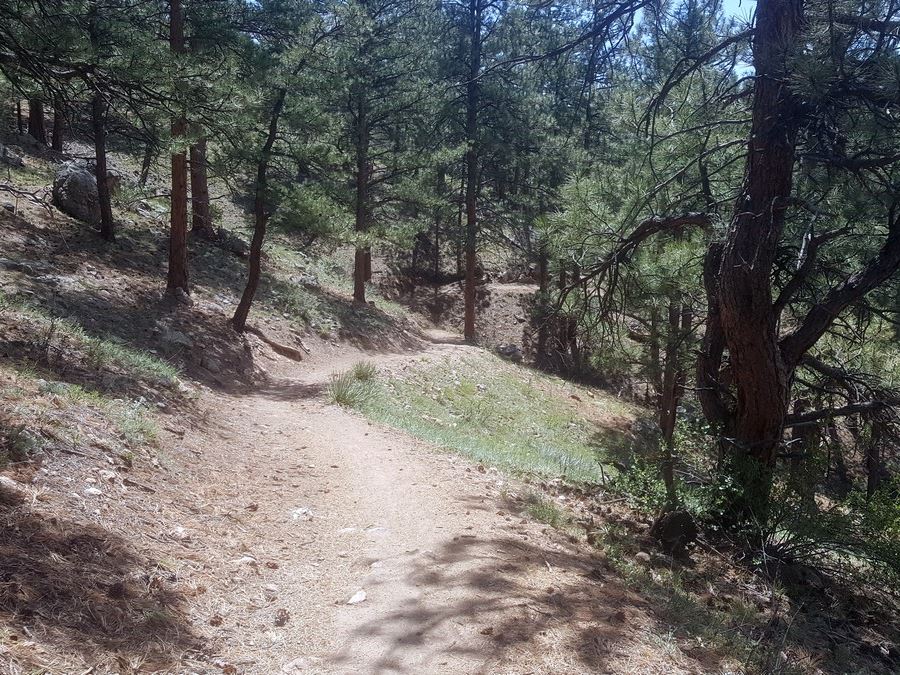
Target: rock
(511, 352)
(232, 243)
(358, 597)
(675, 531)
(10, 157)
(303, 513)
(302, 664)
(108, 476)
(642, 557)
(212, 364)
(9, 207)
(8, 483)
(174, 340)
(75, 193)
(93, 492)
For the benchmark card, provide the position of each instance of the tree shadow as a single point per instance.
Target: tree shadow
(86, 590)
(501, 597)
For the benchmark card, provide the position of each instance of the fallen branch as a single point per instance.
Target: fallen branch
(277, 347)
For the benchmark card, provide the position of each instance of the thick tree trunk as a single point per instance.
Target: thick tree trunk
(59, 122)
(36, 127)
(748, 319)
(261, 217)
(472, 102)
(201, 217)
(98, 124)
(178, 262)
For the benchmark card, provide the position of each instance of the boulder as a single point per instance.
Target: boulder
(511, 352)
(10, 157)
(75, 193)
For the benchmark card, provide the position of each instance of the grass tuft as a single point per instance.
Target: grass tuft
(348, 390)
(364, 371)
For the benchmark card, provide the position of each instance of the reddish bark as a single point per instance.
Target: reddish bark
(178, 263)
(472, 101)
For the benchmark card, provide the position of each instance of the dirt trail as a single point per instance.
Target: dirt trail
(455, 580)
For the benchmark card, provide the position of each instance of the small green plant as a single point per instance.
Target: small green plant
(545, 511)
(364, 371)
(135, 425)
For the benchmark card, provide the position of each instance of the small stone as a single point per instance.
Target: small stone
(9, 484)
(93, 492)
(358, 597)
(642, 557)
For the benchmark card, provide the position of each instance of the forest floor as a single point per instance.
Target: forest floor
(175, 498)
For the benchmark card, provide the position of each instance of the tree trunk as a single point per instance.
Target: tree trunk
(178, 263)
(147, 162)
(59, 121)
(261, 217)
(20, 121)
(874, 465)
(98, 123)
(543, 307)
(36, 126)
(201, 217)
(361, 224)
(472, 101)
(747, 316)
(672, 389)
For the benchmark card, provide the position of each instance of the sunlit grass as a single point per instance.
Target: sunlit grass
(493, 413)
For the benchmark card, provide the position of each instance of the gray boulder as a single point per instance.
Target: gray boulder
(9, 156)
(511, 352)
(75, 193)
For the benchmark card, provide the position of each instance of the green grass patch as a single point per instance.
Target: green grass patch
(493, 413)
(99, 352)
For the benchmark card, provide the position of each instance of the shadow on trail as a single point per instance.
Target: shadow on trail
(85, 588)
(501, 612)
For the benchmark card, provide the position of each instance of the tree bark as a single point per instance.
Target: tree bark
(59, 121)
(178, 263)
(36, 127)
(472, 102)
(201, 217)
(98, 123)
(748, 321)
(361, 223)
(261, 217)
(20, 122)
(147, 162)
(543, 307)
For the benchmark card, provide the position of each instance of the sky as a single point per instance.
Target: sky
(739, 8)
